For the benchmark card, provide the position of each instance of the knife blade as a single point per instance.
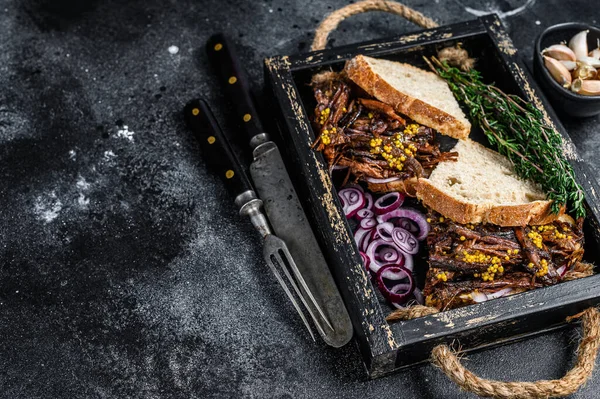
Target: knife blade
(275, 188)
(222, 160)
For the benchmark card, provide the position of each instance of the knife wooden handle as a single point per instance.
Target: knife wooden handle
(233, 77)
(216, 149)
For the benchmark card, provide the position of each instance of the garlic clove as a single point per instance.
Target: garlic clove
(558, 71)
(570, 65)
(578, 44)
(584, 71)
(590, 61)
(595, 53)
(560, 52)
(576, 85)
(590, 88)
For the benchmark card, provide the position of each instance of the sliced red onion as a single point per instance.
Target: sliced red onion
(385, 231)
(500, 293)
(352, 199)
(562, 270)
(405, 241)
(365, 214)
(360, 236)
(368, 223)
(374, 247)
(369, 201)
(339, 167)
(479, 296)
(388, 203)
(381, 181)
(408, 225)
(393, 274)
(390, 255)
(401, 293)
(411, 214)
(356, 186)
(419, 296)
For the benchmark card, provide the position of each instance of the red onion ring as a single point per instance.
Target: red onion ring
(383, 204)
(381, 181)
(364, 214)
(369, 201)
(389, 255)
(405, 241)
(360, 236)
(374, 246)
(562, 270)
(387, 292)
(411, 214)
(385, 230)
(352, 199)
(368, 223)
(407, 225)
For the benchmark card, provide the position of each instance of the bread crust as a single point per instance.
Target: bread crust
(402, 186)
(531, 213)
(359, 71)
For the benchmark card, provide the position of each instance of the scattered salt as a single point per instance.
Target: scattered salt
(47, 208)
(173, 49)
(108, 155)
(538, 22)
(125, 133)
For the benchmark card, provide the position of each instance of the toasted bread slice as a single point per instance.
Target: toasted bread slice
(421, 95)
(483, 187)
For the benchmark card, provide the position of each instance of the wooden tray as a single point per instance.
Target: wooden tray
(389, 347)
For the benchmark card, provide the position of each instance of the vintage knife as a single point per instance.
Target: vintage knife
(281, 202)
(223, 161)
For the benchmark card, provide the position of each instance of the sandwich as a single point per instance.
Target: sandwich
(492, 233)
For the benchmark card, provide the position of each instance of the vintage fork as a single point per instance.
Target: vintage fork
(223, 161)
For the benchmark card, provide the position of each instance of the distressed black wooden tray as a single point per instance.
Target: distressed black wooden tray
(388, 347)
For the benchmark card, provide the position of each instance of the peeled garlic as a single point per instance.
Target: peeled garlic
(595, 53)
(590, 61)
(570, 65)
(584, 71)
(560, 52)
(578, 44)
(576, 85)
(590, 88)
(558, 71)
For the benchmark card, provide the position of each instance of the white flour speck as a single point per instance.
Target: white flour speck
(173, 49)
(125, 133)
(108, 155)
(538, 22)
(82, 184)
(72, 155)
(47, 207)
(82, 201)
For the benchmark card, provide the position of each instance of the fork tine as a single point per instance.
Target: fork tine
(271, 264)
(292, 264)
(286, 272)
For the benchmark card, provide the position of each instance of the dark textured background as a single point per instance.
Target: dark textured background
(125, 271)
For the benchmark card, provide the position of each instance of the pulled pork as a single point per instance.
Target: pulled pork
(369, 137)
(473, 263)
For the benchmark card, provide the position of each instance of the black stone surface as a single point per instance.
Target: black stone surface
(125, 271)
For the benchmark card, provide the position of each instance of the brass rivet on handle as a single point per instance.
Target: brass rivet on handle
(195, 111)
(229, 174)
(211, 139)
(247, 117)
(218, 46)
(232, 80)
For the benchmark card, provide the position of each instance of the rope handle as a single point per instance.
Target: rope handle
(332, 21)
(442, 356)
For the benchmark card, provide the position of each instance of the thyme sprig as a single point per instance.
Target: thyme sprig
(517, 129)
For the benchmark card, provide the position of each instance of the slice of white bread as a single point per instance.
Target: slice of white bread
(421, 95)
(481, 186)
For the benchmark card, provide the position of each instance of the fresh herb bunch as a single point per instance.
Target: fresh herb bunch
(518, 131)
